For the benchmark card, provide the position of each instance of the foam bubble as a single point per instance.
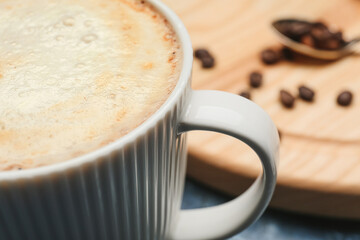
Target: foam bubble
(88, 38)
(69, 21)
(88, 23)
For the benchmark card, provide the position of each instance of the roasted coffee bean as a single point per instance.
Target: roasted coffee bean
(245, 94)
(287, 54)
(294, 30)
(208, 62)
(332, 44)
(307, 40)
(299, 29)
(320, 32)
(306, 93)
(270, 56)
(255, 79)
(286, 99)
(318, 24)
(345, 98)
(206, 58)
(202, 53)
(284, 28)
(324, 38)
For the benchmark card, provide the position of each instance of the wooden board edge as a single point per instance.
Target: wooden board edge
(304, 201)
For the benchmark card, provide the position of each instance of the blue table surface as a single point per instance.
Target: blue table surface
(275, 224)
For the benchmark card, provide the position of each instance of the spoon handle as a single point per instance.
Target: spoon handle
(354, 46)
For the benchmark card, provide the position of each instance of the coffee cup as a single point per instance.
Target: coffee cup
(132, 187)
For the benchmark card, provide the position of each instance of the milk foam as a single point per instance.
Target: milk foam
(78, 74)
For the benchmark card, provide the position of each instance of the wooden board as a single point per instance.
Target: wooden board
(319, 171)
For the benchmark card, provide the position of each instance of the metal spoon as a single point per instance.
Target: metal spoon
(347, 49)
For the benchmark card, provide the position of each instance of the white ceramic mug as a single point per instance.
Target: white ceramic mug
(132, 188)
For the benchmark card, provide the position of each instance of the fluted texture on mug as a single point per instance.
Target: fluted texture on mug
(134, 193)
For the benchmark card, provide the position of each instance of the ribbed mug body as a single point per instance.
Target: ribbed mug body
(130, 189)
(130, 193)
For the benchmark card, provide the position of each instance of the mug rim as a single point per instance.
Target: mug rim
(185, 76)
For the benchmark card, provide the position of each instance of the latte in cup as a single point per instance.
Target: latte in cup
(76, 75)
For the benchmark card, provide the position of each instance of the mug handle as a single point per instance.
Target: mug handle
(241, 118)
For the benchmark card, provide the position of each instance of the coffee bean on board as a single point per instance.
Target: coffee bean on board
(286, 99)
(306, 93)
(270, 56)
(345, 98)
(201, 53)
(255, 79)
(245, 94)
(208, 62)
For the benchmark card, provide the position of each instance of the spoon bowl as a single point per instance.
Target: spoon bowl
(346, 49)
